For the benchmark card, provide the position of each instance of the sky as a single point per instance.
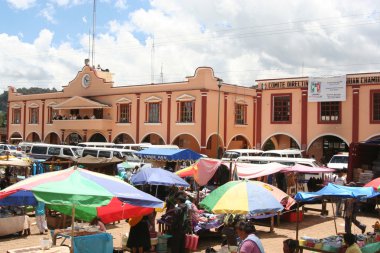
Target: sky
(43, 43)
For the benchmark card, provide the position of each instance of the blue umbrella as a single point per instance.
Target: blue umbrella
(157, 176)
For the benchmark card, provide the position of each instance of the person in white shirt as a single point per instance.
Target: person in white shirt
(340, 179)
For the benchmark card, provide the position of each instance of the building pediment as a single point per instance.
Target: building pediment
(77, 102)
(185, 97)
(16, 106)
(33, 105)
(153, 99)
(123, 101)
(240, 101)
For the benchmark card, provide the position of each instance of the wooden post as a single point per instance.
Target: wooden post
(72, 229)
(336, 229)
(297, 226)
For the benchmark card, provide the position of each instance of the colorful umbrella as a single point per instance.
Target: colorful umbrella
(241, 197)
(157, 176)
(375, 184)
(79, 189)
(281, 196)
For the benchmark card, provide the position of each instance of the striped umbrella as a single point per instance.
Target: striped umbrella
(241, 197)
(79, 192)
(375, 184)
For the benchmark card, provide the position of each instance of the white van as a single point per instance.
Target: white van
(97, 144)
(136, 147)
(290, 153)
(10, 149)
(233, 154)
(111, 152)
(45, 151)
(310, 162)
(338, 161)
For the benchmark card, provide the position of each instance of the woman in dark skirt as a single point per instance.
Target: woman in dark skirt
(139, 237)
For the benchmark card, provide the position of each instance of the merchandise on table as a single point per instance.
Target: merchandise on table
(334, 243)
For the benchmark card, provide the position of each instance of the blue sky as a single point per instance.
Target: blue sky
(44, 42)
(68, 21)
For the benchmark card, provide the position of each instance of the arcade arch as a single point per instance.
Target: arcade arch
(324, 147)
(97, 137)
(280, 141)
(52, 138)
(153, 139)
(123, 138)
(33, 137)
(187, 141)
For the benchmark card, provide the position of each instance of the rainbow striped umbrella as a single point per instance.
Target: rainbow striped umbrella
(79, 190)
(241, 197)
(375, 184)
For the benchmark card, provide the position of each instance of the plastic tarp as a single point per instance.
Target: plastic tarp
(307, 169)
(165, 154)
(202, 171)
(338, 191)
(245, 170)
(96, 243)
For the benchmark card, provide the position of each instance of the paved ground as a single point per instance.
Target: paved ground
(313, 225)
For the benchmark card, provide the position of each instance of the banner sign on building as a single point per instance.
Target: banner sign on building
(325, 89)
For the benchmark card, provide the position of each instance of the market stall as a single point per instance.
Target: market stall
(80, 192)
(331, 191)
(11, 222)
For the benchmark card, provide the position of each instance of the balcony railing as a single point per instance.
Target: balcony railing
(84, 124)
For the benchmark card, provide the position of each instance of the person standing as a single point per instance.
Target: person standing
(180, 225)
(41, 217)
(352, 208)
(250, 243)
(139, 236)
(340, 179)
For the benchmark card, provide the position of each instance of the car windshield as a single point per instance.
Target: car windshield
(339, 159)
(230, 154)
(131, 157)
(12, 147)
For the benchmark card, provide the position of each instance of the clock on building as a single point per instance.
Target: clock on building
(86, 79)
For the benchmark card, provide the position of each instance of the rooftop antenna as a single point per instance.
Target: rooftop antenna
(162, 74)
(152, 62)
(89, 43)
(93, 33)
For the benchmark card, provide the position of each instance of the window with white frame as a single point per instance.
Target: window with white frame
(186, 109)
(125, 113)
(240, 114)
(33, 115)
(16, 116)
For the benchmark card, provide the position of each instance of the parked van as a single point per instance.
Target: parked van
(45, 151)
(290, 153)
(11, 149)
(339, 161)
(233, 154)
(26, 146)
(136, 147)
(283, 160)
(111, 152)
(97, 144)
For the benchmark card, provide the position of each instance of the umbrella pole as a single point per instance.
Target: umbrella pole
(298, 222)
(72, 229)
(336, 229)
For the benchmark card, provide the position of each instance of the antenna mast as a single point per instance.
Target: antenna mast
(89, 43)
(162, 74)
(93, 33)
(152, 63)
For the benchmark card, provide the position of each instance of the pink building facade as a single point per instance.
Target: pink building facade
(275, 115)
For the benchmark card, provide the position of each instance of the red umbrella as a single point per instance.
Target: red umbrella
(117, 210)
(374, 183)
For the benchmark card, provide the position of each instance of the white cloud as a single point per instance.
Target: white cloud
(21, 4)
(48, 13)
(84, 19)
(121, 4)
(242, 40)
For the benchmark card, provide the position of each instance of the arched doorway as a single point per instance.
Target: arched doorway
(212, 146)
(15, 138)
(324, 147)
(187, 141)
(52, 138)
(98, 137)
(33, 137)
(123, 139)
(154, 139)
(73, 139)
(239, 142)
(280, 141)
